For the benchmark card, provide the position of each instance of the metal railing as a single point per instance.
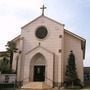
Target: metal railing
(58, 85)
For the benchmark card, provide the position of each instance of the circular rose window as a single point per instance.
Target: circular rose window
(41, 32)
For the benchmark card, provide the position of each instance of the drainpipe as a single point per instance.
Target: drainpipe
(53, 69)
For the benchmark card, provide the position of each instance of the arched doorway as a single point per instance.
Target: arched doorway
(38, 68)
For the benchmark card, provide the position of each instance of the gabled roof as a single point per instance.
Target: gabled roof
(40, 17)
(74, 35)
(16, 38)
(77, 36)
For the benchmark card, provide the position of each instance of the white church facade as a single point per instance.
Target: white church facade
(44, 47)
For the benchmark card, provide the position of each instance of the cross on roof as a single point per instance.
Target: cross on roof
(43, 7)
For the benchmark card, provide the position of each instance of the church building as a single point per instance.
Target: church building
(43, 50)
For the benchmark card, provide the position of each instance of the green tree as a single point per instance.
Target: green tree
(4, 65)
(11, 48)
(71, 73)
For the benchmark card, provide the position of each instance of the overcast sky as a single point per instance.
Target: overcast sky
(75, 14)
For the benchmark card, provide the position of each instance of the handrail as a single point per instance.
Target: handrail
(49, 79)
(53, 82)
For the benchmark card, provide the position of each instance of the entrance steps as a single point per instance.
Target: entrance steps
(36, 85)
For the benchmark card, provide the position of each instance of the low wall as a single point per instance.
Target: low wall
(7, 78)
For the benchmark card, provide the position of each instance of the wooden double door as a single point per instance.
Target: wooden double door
(39, 73)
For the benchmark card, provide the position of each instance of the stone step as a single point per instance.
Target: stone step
(36, 85)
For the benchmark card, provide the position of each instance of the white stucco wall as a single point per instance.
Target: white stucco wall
(51, 42)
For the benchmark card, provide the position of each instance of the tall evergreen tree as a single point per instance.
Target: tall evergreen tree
(71, 73)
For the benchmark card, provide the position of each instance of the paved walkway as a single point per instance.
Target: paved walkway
(45, 89)
(85, 88)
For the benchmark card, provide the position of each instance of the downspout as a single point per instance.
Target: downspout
(53, 70)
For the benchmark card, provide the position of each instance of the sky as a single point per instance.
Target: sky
(75, 14)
